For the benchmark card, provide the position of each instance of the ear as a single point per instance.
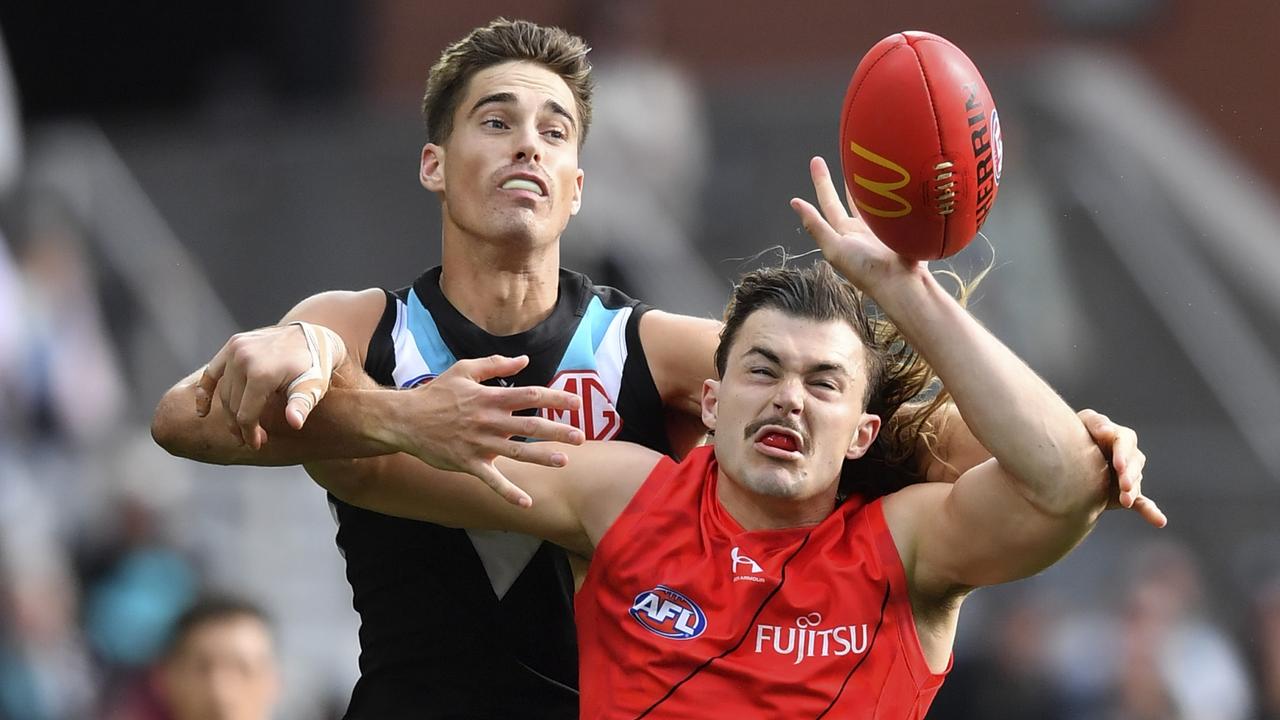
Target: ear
(710, 389)
(577, 193)
(431, 167)
(868, 429)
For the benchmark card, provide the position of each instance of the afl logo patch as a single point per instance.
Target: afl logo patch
(663, 611)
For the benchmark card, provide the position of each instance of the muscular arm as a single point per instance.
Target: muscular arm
(572, 505)
(455, 422)
(1047, 482)
(1015, 514)
(328, 432)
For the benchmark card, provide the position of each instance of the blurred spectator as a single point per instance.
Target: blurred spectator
(136, 586)
(220, 664)
(45, 673)
(1011, 678)
(1142, 689)
(646, 163)
(69, 631)
(1202, 670)
(1160, 657)
(73, 385)
(11, 330)
(12, 342)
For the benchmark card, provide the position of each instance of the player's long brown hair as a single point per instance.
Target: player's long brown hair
(502, 41)
(901, 387)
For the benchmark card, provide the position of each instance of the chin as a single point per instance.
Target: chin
(512, 233)
(773, 483)
(523, 229)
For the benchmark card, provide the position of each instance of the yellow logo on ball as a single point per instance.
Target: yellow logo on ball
(883, 189)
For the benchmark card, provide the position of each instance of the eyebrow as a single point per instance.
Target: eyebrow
(503, 98)
(820, 367)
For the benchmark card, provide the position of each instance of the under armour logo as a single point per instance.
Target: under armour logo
(739, 559)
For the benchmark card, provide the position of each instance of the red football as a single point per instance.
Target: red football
(920, 145)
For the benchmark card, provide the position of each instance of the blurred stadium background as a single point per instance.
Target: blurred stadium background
(162, 163)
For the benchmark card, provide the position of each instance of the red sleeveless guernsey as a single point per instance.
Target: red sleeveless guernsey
(684, 614)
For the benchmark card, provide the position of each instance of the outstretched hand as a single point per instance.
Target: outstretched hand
(843, 236)
(457, 423)
(296, 360)
(853, 249)
(1120, 445)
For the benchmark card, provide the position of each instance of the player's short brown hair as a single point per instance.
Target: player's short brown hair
(896, 373)
(502, 41)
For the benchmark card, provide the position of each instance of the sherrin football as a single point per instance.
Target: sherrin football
(920, 145)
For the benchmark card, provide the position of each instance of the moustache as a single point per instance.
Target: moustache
(782, 422)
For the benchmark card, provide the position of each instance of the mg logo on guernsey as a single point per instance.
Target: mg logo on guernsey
(597, 418)
(809, 639)
(663, 611)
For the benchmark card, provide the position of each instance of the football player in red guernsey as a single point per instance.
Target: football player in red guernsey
(752, 579)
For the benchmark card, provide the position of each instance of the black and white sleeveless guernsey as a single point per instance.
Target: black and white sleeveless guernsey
(468, 624)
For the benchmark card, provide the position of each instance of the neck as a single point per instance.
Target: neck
(754, 511)
(502, 289)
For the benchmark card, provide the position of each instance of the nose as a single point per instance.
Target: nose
(527, 149)
(789, 397)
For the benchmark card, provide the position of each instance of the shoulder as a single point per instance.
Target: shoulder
(343, 304)
(659, 326)
(681, 353)
(353, 314)
(903, 508)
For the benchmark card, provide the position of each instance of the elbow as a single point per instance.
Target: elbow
(1081, 489)
(344, 479)
(173, 441)
(165, 431)
(1091, 480)
(182, 434)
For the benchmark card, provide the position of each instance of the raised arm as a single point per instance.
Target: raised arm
(1047, 483)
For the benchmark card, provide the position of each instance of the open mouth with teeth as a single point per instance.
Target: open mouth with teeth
(523, 184)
